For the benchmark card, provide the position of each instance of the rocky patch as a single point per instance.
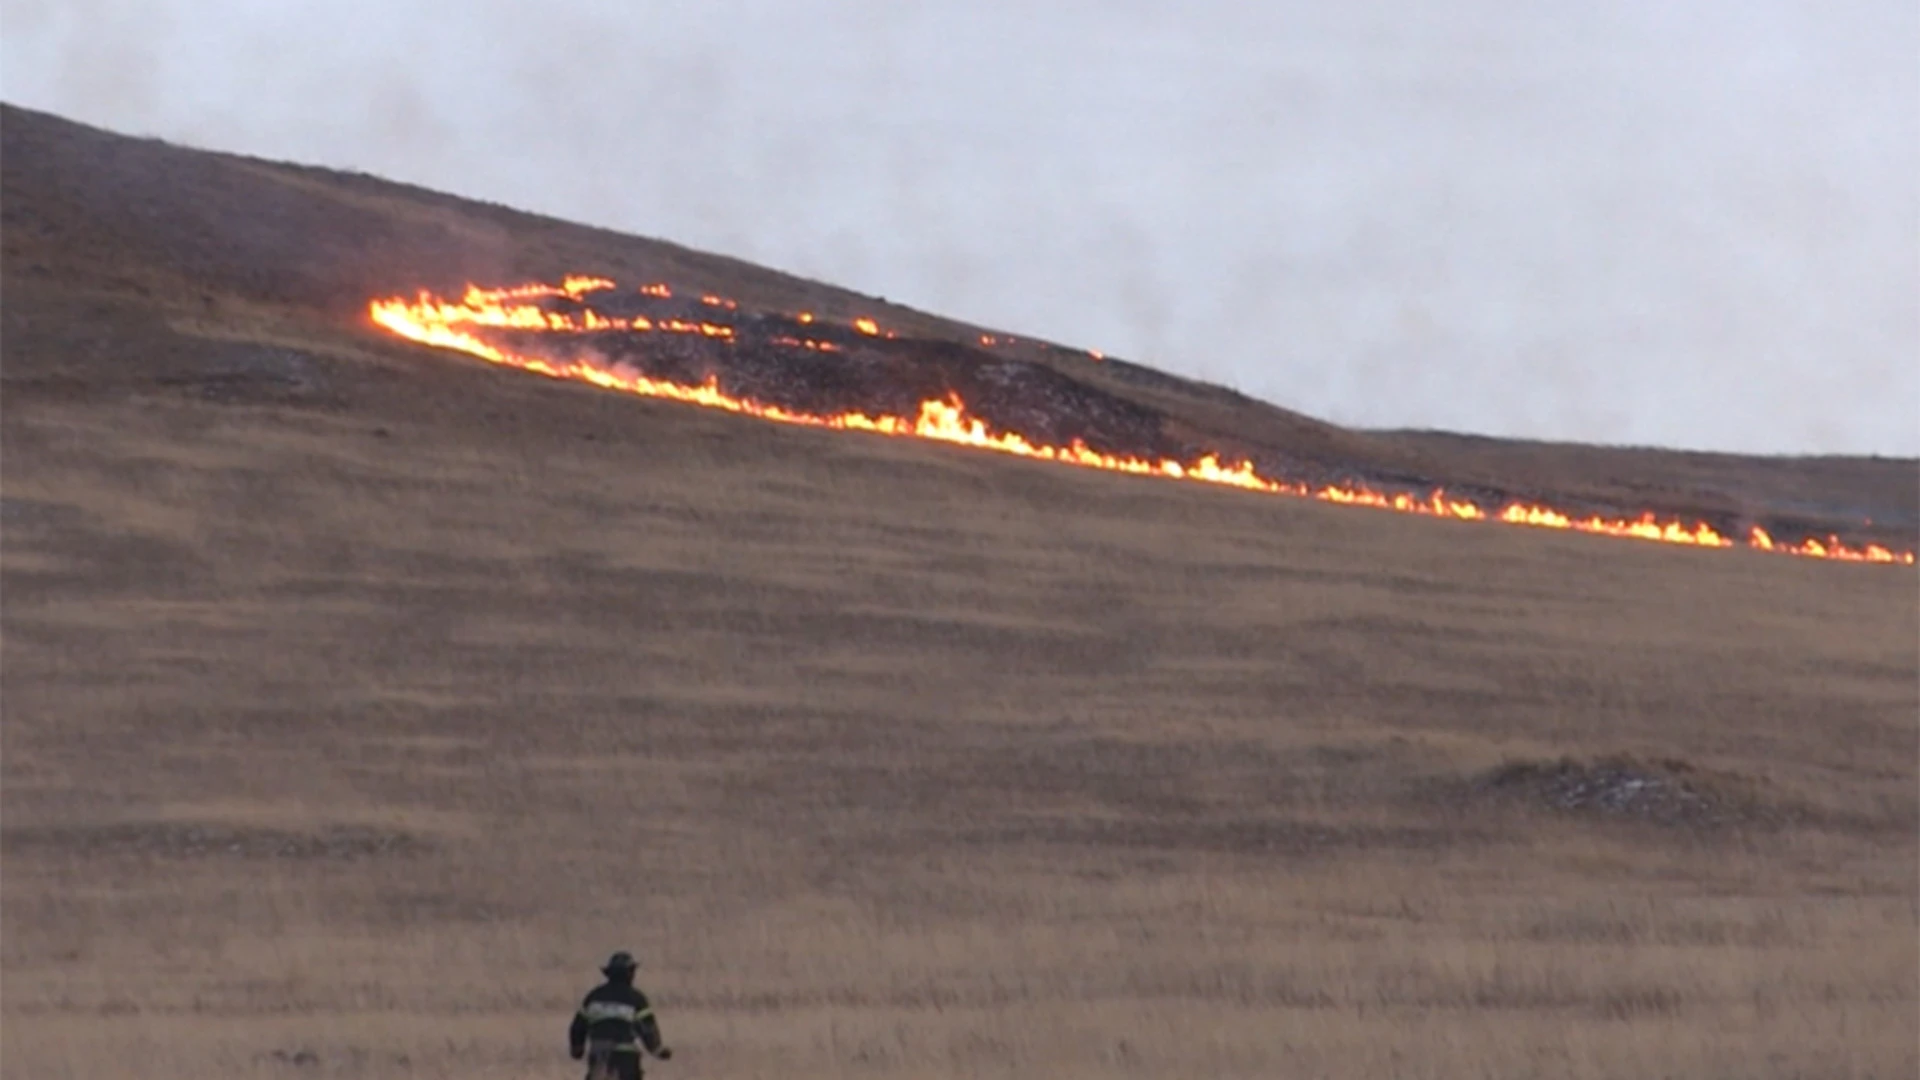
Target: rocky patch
(1664, 792)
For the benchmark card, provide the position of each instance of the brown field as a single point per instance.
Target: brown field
(358, 700)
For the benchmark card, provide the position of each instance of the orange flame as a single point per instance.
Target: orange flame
(456, 326)
(808, 343)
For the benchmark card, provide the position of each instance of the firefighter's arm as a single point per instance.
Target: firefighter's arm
(577, 1035)
(649, 1030)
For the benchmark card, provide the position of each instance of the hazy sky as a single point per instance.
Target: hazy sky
(1692, 224)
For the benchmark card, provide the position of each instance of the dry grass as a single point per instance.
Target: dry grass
(357, 702)
(338, 753)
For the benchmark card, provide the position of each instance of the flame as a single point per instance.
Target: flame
(513, 309)
(457, 326)
(808, 343)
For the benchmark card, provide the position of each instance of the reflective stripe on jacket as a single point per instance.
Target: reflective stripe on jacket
(614, 1015)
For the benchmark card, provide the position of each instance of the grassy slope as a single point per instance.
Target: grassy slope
(358, 699)
(218, 236)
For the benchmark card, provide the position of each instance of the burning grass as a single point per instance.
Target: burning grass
(704, 357)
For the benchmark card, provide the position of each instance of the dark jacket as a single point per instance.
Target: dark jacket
(614, 1015)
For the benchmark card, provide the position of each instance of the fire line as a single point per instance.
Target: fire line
(456, 325)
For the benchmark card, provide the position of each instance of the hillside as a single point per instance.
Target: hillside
(359, 698)
(183, 231)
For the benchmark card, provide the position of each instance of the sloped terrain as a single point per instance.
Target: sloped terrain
(178, 228)
(359, 698)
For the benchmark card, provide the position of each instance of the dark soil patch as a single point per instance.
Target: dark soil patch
(240, 373)
(1663, 792)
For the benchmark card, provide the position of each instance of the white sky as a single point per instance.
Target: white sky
(1646, 222)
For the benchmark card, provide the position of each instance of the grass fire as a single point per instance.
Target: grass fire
(471, 324)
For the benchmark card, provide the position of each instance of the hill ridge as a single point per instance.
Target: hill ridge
(316, 244)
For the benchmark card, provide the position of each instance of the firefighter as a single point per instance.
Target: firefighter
(613, 1023)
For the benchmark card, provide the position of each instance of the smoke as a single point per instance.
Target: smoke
(1692, 225)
